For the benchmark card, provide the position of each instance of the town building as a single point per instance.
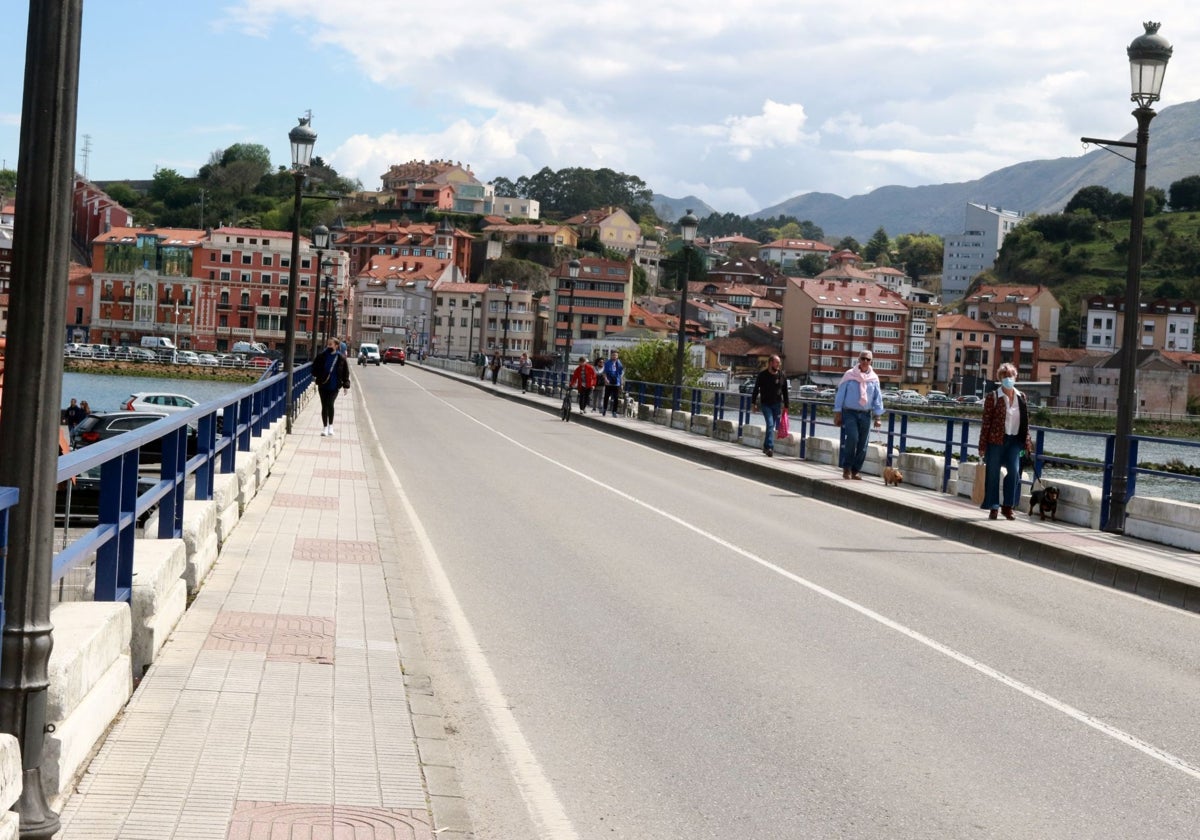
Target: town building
(595, 305)
(974, 250)
(1164, 324)
(612, 227)
(831, 318)
(964, 354)
(402, 238)
(560, 236)
(1035, 305)
(1093, 382)
(787, 253)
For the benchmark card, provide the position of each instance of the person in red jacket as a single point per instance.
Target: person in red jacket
(584, 378)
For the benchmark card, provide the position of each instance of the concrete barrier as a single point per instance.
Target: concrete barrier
(702, 424)
(10, 786)
(91, 680)
(725, 430)
(921, 470)
(159, 597)
(1163, 521)
(681, 420)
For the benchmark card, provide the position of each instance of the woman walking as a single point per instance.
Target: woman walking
(332, 375)
(1003, 438)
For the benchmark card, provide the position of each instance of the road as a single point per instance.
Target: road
(629, 645)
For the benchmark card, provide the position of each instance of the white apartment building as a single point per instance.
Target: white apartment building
(975, 249)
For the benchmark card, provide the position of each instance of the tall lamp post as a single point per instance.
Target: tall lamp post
(688, 226)
(320, 240)
(1148, 57)
(573, 270)
(471, 329)
(450, 331)
(508, 289)
(330, 321)
(302, 139)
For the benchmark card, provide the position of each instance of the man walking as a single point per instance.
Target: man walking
(584, 378)
(771, 390)
(858, 397)
(614, 379)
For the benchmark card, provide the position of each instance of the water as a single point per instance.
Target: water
(106, 392)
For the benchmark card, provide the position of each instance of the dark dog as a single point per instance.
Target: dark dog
(1046, 501)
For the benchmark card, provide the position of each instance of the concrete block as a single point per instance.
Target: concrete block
(159, 597)
(9, 826)
(681, 420)
(753, 435)
(1162, 521)
(819, 450)
(702, 425)
(921, 470)
(88, 637)
(788, 444)
(199, 524)
(201, 561)
(645, 411)
(225, 490)
(10, 774)
(227, 520)
(661, 417)
(75, 737)
(1078, 503)
(725, 430)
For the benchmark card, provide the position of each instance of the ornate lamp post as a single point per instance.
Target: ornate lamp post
(688, 226)
(330, 320)
(320, 240)
(1148, 57)
(450, 331)
(508, 289)
(471, 329)
(302, 139)
(573, 270)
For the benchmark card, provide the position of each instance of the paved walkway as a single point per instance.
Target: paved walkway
(278, 708)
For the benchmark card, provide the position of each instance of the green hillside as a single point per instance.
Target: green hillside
(1077, 256)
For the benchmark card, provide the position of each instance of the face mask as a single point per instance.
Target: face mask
(1007, 382)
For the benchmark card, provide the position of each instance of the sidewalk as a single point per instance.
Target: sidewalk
(278, 707)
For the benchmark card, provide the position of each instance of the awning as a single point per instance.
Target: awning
(828, 379)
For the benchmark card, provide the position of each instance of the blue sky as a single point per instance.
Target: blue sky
(743, 103)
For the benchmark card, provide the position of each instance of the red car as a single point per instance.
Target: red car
(393, 354)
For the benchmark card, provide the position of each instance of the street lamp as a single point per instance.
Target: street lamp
(450, 331)
(572, 269)
(302, 139)
(688, 226)
(508, 288)
(1148, 57)
(471, 329)
(327, 284)
(320, 240)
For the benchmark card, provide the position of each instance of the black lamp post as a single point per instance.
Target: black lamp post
(320, 240)
(688, 226)
(471, 328)
(450, 331)
(302, 139)
(330, 321)
(1148, 57)
(573, 270)
(508, 289)
(33, 385)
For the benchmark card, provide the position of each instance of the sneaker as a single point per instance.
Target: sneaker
(846, 473)
(856, 476)
(770, 453)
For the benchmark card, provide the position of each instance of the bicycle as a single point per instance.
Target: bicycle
(566, 405)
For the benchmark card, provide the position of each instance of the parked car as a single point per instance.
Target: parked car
(141, 354)
(827, 393)
(103, 425)
(969, 399)
(160, 403)
(207, 360)
(186, 357)
(938, 398)
(911, 398)
(368, 354)
(393, 354)
(747, 386)
(808, 392)
(84, 497)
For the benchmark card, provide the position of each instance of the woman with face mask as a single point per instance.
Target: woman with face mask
(1003, 437)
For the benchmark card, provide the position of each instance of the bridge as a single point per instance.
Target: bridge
(296, 691)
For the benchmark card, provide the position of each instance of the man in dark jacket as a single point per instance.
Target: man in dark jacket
(332, 375)
(771, 390)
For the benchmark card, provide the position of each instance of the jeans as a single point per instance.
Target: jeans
(585, 396)
(611, 393)
(772, 414)
(1007, 455)
(856, 434)
(327, 399)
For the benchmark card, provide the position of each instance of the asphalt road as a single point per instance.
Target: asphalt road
(629, 645)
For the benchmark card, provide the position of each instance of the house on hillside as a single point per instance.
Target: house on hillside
(974, 250)
(1035, 305)
(612, 227)
(786, 253)
(964, 354)
(1094, 382)
(1165, 324)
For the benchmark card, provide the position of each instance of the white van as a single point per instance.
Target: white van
(368, 354)
(249, 347)
(157, 343)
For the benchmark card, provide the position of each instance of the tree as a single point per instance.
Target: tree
(8, 182)
(921, 253)
(878, 245)
(654, 362)
(1101, 201)
(505, 187)
(810, 265)
(848, 243)
(1185, 193)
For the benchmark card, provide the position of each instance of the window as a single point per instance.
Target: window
(247, 259)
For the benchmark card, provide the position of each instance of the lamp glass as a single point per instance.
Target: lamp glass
(508, 287)
(320, 237)
(1148, 57)
(688, 226)
(302, 139)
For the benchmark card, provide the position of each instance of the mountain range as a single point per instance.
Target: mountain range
(1038, 186)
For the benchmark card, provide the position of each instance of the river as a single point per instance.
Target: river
(105, 392)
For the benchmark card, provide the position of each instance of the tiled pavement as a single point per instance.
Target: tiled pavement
(278, 707)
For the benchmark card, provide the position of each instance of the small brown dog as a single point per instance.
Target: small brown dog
(891, 476)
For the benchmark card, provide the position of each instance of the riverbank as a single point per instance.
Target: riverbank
(157, 371)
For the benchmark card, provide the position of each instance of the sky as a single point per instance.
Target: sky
(742, 103)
